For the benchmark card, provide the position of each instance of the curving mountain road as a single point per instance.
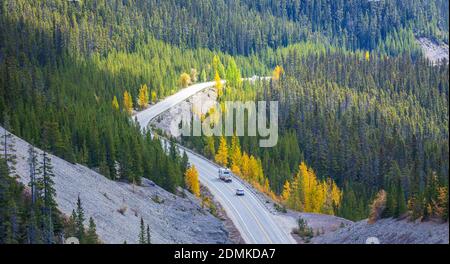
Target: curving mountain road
(254, 221)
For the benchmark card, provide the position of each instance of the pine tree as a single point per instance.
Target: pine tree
(142, 239)
(48, 192)
(71, 226)
(148, 235)
(33, 235)
(33, 167)
(222, 153)
(203, 77)
(7, 146)
(91, 236)
(233, 74)
(80, 221)
(210, 149)
(5, 196)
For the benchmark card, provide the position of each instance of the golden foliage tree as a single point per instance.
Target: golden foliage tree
(191, 179)
(115, 103)
(377, 207)
(185, 79)
(235, 152)
(154, 98)
(219, 85)
(367, 56)
(441, 205)
(127, 102)
(309, 194)
(286, 191)
(245, 165)
(143, 96)
(277, 72)
(222, 153)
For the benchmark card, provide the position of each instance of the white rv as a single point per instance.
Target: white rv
(225, 174)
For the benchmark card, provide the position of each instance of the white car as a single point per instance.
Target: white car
(239, 192)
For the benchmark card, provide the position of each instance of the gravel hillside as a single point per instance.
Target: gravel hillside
(435, 52)
(117, 207)
(388, 231)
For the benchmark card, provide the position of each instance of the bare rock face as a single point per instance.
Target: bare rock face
(199, 104)
(388, 231)
(117, 207)
(435, 52)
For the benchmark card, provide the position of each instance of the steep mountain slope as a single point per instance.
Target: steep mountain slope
(117, 207)
(388, 231)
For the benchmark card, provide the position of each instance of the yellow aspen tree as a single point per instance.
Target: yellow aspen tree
(304, 186)
(127, 102)
(266, 186)
(115, 103)
(154, 98)
(143, 96)
(235, 155)
(367, 56)
(245, 165)
(277, 72)
(253, 173)
(336, 194)
(319, 196)
(317, 192)
(191, 179)
(286, 191)
(294, 200)
(440, 206)
(185, 79)
(222, 153)
(236, 170)
(219, 85)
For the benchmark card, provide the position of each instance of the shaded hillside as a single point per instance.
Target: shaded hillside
(117, 207)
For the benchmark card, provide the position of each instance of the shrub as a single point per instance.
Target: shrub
(377, 207)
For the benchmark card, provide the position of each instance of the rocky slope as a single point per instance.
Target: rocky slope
(435, 52)
(388, 231)
(117, 207)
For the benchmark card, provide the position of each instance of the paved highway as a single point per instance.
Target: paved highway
(254, 221)
(147, 115)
